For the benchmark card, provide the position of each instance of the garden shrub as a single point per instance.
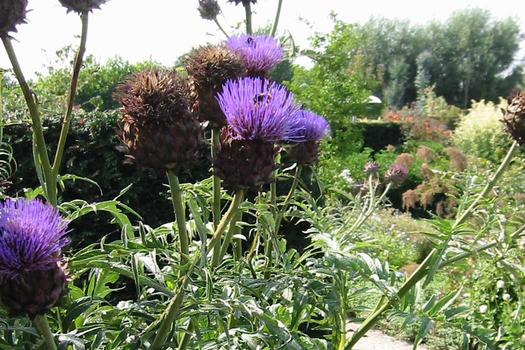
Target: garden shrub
(480, 131)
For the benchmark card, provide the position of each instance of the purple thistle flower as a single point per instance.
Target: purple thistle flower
(396, 175)
(256, 109)
(309, 127)
(258, 52)
(31, 236)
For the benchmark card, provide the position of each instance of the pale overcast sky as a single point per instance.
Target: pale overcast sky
(164, 29)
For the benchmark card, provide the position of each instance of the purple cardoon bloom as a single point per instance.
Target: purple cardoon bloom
(396, 175)
(258, 52)
(309, 126)
(371, 168)
(256, 109)
(31, 236)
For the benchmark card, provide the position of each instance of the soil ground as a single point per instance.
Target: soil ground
(376, 340)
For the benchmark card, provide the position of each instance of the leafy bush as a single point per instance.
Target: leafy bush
(480, 132)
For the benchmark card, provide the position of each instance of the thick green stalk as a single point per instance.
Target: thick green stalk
(277, 16)
(216, 205)
(232, 210)
(180, 216)
(248, 10)
(423, 268)
(480, 249)
(187, 336)
(171, 314)
(71, 97)
(238, 242)
(227, 239)
(172, 311)
(50, 183)
(43, 328)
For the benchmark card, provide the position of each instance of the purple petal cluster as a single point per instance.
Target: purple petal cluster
(31, 236)
(258, 52)
(310, 127)
(396, 174)
(256, 109)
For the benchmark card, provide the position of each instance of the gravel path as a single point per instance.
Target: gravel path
(376, 340)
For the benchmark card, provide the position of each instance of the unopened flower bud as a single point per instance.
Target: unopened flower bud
(12, 13)
(80, 6)
(514, 118)
(395, 175)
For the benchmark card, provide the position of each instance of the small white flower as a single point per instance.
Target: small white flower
(500, 284)
(483, 308)
(506, 296)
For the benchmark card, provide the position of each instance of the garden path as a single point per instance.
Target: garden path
(376, 340)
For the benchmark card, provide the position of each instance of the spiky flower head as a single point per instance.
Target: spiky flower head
(259, 53)
(514, 118)
(371, 168)
(209, 67)
(256, 109)
(157, 129)
(244, 164)
(237, 2)
(396, 175)
(309, 129)
(12, 13)
(80, 6)
(209, 9)
(32, 235)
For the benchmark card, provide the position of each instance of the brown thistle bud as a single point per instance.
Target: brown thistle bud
(209, 67)
(80, 6)
(34, 292)
(514, 118)
(158, 130)
(209, 9)
(12, 13)
(244, 163)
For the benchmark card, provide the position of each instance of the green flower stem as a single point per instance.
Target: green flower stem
(180, 217)
(71, 97)
(170, 315)
(50, 183)
(216, 206)
(493, 180)
(248, 10)
(268, 244)
(172, 311)
(373, 205)
(423, 268)
(42, 327)
(221, 28)
(480, 249)
(238, 242)
(187, 336)
(277, 16)
(232, 210)
(227, 239)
